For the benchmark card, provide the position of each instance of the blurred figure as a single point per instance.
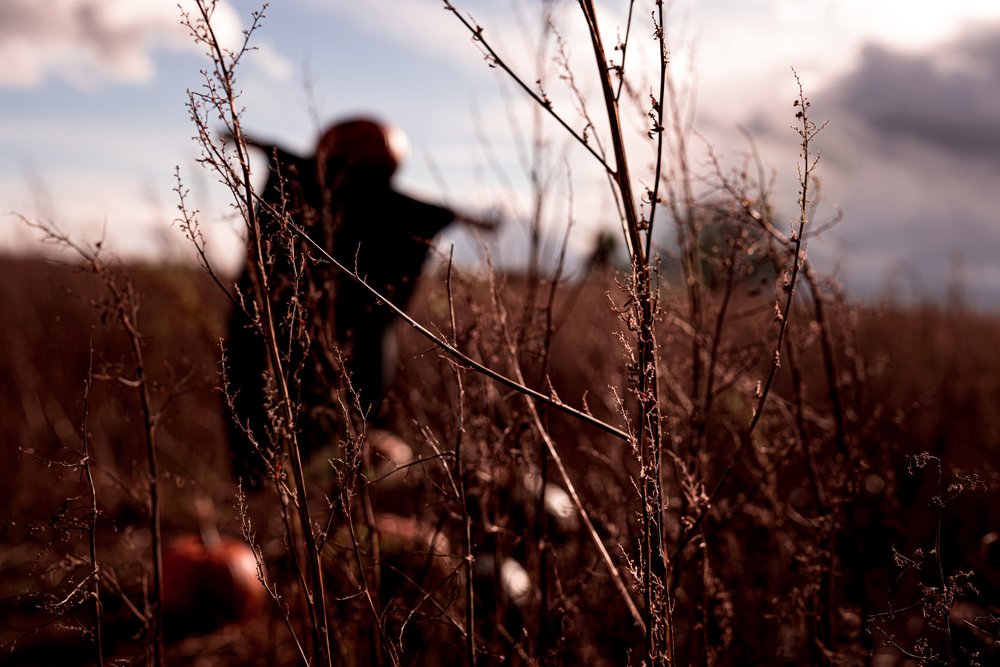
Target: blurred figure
(343, 198)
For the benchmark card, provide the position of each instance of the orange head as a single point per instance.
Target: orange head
(364, 144)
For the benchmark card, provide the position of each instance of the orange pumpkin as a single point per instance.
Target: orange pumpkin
(206, 587)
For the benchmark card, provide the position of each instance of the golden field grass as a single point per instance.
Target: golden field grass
(913, 380)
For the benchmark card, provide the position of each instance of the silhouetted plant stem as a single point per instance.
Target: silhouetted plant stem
(221, 95)
(655, 563)
(807, 131)
(829, 361)
(123, 305)
(95, 571)
(458, 475)
(496, 61)
(127, 314)
(458, 354)
(805, 440)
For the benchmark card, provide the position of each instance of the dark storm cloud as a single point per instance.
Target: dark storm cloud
(911, 156)
(948, 97)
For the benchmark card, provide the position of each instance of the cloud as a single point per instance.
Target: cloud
(911, 156)
(91, 42)
(271, 62)
(926, 139)
(945, 98)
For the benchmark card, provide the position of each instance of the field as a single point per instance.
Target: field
(829, 519)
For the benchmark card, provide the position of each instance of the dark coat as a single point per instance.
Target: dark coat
(368, 226)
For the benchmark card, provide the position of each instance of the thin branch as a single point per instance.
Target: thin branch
(495, 60)
(807, 130)
(92, 527)
(454, 352)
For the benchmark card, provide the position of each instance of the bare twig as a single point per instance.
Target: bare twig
(458, 481)
(807, 131)
(95, 570)
(457, 354)
(221, 95)
(495, 60)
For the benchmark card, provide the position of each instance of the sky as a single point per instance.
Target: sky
(93, 121)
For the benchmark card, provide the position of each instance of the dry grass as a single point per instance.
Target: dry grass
(917, 380)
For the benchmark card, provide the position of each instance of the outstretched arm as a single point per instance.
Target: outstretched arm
(426, 219)
(280, 157)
